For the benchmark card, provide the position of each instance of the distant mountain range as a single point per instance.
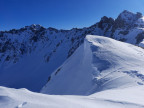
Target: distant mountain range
(98, 66)
(28, 56)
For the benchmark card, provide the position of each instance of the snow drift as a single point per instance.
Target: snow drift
(99, 64)
(109, 70)
(29, 55)
(131, 97)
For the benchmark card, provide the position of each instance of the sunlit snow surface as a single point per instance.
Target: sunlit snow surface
(99, 64)
(102, 73)
(29, 55)
(131, 97)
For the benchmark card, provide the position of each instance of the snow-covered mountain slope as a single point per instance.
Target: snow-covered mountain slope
(131, 97)
(99, 64)
(28, 63)
(29, 55)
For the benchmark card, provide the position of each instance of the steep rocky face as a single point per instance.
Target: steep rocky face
(15, 43)
(127, 20)
(105, 22)
(52, 47)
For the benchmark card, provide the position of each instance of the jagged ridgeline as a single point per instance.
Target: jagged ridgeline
(29, 55)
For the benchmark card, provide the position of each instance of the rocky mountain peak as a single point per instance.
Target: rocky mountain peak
(139, 15)
(105, 19)
(34, 27)
(127, 19)
(127, 15)
(40, 45)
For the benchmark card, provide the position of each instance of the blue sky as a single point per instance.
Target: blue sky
(62, 14)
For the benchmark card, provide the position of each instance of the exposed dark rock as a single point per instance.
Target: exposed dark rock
(139, 37)
(57, 71)
(123, 40)
(124, 32)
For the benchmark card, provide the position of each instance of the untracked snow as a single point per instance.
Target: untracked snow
(103, 73)
(131, 97)
(99, 64)
(29, 55)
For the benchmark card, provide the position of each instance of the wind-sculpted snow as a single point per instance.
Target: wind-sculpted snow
(28, 56)
(130, 97)
(99, 64)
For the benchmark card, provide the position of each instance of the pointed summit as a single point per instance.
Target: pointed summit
(127, 19)
(105, 19)
(128, 16)
(127, 12)
(34, 26)
(105, 22)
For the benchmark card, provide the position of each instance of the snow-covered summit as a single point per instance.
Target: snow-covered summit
(35, 26)
(129, 17)
(21, 50)
(68, 62)
(99, 64)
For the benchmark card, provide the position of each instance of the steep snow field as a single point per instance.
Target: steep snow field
(131, 97)
(29, 55)
(102, 73)
(99, 64)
